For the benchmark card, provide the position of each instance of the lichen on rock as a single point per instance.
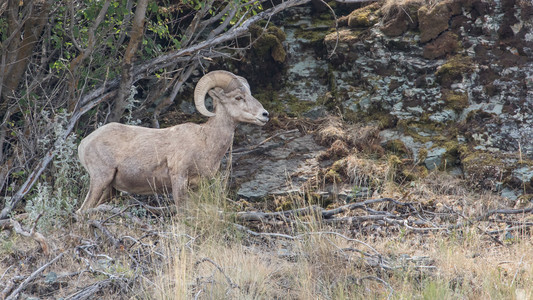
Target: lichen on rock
(448, 85)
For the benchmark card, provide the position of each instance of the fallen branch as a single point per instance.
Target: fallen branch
(96, 224)
(377, 256)
(39, 238)
(504, 212)
(117, 211)
(9, 286)
(158, 211)
(33, 275)
(512, 228)
(318, 211)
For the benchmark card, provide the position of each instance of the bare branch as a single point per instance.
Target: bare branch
(91, 33)
(193, 28)
(89, 291)
(226, 22)
(315, 210)
(33, 275)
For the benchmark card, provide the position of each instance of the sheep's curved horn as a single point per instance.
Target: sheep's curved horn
(207, 82)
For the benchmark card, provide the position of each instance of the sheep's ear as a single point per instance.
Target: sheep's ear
(217, 93)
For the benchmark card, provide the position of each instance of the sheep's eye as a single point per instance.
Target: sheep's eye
(238, 98)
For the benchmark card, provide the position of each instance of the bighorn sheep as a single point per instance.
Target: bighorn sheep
(145, 160)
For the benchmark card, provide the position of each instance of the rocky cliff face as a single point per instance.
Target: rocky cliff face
(448, 85)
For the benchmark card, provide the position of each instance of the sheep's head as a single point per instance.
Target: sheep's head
(233, 92)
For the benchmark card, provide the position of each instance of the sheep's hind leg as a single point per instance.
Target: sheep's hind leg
(99, 192)
(107, 195)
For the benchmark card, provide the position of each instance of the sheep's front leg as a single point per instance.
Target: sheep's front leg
(179, 189)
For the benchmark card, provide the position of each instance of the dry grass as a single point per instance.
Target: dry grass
(201, 253)
(464, 264)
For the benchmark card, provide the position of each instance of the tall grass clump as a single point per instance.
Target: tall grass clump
(209, 258)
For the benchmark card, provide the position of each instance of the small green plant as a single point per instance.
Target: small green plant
(131, 102)
(56, 197)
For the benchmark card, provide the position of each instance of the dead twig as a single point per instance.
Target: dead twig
(375, 260)
(9, 286)
(117, 211)
(33, 275)
(230, 282)
(89, 291)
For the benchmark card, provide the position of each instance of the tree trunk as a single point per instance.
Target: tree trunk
(32, 30)
(127, 67)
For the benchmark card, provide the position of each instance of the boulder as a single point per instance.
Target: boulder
(446, 44)
(400, 17)
(433, 21)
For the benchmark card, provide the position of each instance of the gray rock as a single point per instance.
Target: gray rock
(434, 158)
(509, 194)
(284, 166)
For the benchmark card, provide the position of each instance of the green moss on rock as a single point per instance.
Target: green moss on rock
(269, 98)
(365, 16)
(454, 69)
(397, 146)
(290, 105)
(412, 173)
(422, 155)
(452, 155)
(455, 100)
(483, 169)
(311, 35)
(268, 42)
